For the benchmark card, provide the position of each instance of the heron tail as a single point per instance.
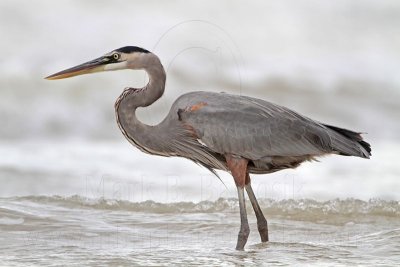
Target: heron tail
(357, 147)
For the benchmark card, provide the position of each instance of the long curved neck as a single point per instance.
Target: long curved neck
(143, 136)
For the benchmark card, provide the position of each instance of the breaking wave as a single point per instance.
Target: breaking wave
(302, 209)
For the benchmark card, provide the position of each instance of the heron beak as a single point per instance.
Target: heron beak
(92, 66)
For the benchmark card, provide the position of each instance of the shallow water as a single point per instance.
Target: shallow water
(77, 231)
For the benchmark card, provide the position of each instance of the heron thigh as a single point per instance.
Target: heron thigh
(238, 168)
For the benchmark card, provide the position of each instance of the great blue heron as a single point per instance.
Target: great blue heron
(220, 131)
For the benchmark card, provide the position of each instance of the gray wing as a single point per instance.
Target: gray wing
(254, 129)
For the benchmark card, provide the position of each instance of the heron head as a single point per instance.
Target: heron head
(128, 57)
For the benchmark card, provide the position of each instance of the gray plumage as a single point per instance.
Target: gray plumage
(270, 136)
(221, 131)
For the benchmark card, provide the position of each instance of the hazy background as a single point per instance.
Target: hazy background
(334, 61)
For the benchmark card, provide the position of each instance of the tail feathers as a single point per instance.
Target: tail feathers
(363, 147)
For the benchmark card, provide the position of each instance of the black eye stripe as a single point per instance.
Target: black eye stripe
(131, 49)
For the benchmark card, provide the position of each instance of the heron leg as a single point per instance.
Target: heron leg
(262, 224)
(244, 224)
(238, 168)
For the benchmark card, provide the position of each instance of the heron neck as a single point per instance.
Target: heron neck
(133, 98)
(141, 135)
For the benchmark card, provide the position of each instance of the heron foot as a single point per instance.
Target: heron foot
(263, 230)
(242, 237)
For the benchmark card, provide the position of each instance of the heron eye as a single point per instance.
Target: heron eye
(116, 56)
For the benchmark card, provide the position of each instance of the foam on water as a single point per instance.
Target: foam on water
(287, 208)
(55, 230)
